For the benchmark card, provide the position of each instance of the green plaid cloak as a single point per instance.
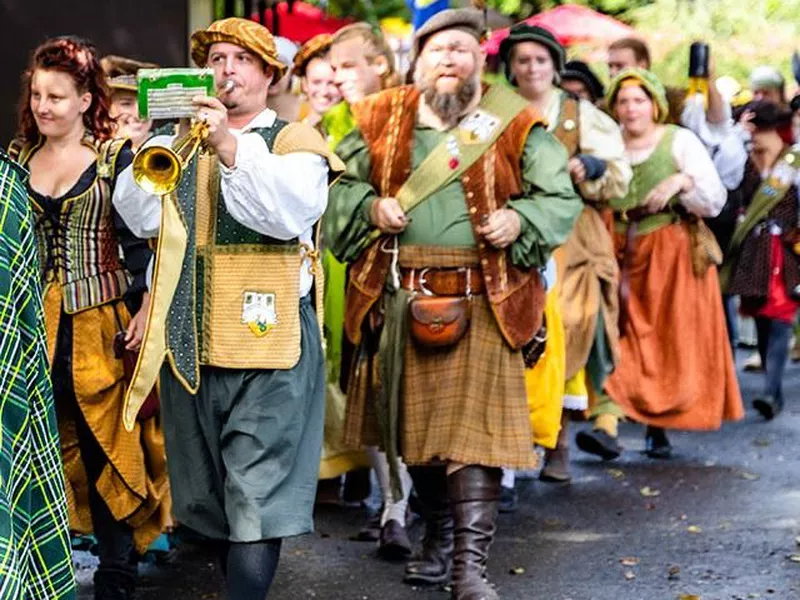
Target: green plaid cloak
(35, 557)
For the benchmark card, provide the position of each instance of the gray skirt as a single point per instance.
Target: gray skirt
(243, 454)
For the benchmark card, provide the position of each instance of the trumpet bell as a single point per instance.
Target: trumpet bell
(157, 170)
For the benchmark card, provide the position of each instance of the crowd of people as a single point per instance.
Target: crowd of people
(426, 281)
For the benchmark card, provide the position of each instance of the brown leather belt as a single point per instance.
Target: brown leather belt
(638, 214)
(444, 282)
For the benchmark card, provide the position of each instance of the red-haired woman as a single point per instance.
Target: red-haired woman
(116, 480)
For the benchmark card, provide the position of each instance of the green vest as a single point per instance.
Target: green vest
(214, 233)
(646, 176)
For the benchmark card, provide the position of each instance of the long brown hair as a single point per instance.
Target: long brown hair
(77, 58)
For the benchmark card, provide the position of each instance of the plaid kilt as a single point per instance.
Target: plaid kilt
(465, 404)
(35, 554)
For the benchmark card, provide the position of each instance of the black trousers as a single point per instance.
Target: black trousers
(115, 546)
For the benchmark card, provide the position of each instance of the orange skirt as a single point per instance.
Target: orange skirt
(676, 370)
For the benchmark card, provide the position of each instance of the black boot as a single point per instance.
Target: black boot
(432, 565)
(114, 584)
(474, 493)
(767, 407)
(556, 461)
(393, 542)
(508, 500)
(599, 443)
(656, 443)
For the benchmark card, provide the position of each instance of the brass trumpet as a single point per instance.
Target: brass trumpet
(159, 169)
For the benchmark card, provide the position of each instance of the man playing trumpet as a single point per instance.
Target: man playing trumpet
(243, 390)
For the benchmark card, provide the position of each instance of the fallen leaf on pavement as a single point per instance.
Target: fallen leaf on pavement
(629, 561)
(674, 572)
(517, 571)
(629, 575)
(616, 473)
(693, 529)
(688, 597)
(648, 492)
(794, 558)
(748, 476)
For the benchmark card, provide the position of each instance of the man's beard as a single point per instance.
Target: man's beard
(449, 106)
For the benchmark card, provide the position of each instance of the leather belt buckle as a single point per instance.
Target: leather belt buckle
(421, 281)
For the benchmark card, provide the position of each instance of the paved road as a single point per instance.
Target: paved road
(718, 522)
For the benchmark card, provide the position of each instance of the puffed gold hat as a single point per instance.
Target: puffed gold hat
(243, 32)
(316, 46)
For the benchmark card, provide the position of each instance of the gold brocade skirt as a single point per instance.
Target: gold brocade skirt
(134, 481)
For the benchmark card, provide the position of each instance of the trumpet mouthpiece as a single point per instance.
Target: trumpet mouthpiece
(227, 86)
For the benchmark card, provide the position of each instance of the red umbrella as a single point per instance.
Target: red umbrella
(571, 24)
(304, 22)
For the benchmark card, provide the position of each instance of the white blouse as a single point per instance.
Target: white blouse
(725, 141)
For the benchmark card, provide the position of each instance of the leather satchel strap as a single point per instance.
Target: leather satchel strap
(568, 129)
(767, 196)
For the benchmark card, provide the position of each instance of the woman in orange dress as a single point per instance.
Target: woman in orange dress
(675, 370)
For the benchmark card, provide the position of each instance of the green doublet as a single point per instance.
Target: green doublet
(442, 220)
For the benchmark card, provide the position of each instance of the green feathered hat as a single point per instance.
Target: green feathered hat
(648, 81)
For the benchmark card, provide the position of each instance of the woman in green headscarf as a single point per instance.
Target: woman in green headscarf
(675, 369)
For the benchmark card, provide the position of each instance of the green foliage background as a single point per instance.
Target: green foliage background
(742, 35)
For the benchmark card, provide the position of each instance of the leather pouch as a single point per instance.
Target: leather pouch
(439, 321)
(533, 350)
(705, 250)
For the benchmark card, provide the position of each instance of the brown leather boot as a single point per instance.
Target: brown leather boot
(433, 563)
(474, 493)
(556, 461)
